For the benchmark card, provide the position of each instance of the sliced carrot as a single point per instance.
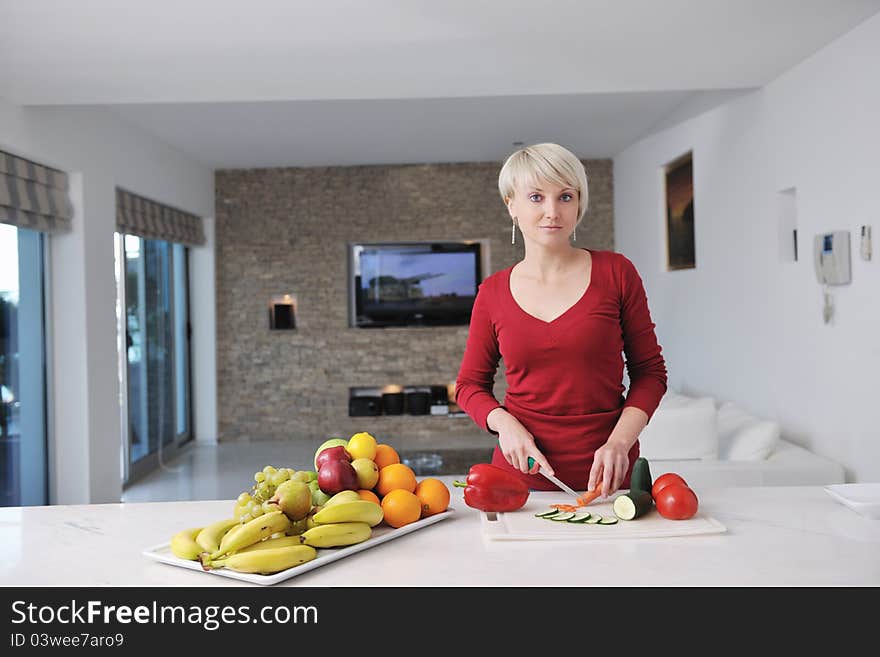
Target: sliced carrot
(589, 496)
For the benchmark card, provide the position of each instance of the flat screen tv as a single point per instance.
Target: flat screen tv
(413, 283)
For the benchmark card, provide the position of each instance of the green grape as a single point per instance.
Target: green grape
(244, 498)
(268, 507)
(260, 477)
(245, 517)
(258, 511)
(269, 470)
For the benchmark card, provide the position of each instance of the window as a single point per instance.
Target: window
(23, 437)
(153, 314)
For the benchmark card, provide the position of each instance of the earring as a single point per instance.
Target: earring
(574, 235)
(513, 231)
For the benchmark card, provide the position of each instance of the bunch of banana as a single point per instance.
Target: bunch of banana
(337, 534)
(356, 511)
(251, 532)
(211, 535)
(265, 560)
(184, 546)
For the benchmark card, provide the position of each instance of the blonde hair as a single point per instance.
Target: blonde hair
(549, 161)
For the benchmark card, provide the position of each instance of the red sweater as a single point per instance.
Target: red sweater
(565, 377)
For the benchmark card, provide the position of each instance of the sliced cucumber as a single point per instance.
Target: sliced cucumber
(593, 520)
(580, 518)
(565, 515)
(630, 506)
(547, 513)
(610, 520)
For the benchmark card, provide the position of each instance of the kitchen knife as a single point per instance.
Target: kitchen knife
(558, 482)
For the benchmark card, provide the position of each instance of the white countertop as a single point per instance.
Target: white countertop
(777, 536)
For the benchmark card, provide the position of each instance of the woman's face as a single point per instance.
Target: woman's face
(545, 212)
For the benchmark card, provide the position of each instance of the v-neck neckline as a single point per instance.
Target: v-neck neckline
(564, 312)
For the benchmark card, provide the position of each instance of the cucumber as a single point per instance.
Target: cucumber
(580, 518)
(641, 475)
(565, 515)
(632, 505)
(547, 513)
(593, 520)
(610, 520)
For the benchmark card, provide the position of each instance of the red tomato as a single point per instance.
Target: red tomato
(676, 502)
(664, 480)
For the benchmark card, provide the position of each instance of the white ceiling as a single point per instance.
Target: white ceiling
(295, 83)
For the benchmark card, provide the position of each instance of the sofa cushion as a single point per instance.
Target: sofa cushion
(682, 427)
(744, 437)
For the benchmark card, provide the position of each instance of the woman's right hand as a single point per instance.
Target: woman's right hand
(517, 443)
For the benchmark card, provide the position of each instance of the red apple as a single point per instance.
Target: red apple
(336, 476)
(337, 453)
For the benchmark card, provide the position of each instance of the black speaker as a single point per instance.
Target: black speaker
(281, 316)
(439, 395)
(418, 403)
(358, 406)
(392, 403)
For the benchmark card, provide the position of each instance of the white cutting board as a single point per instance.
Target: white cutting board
(522, 525)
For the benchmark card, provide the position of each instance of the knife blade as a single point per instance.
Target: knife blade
(558, 482)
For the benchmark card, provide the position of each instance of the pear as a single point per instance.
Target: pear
(294, 498)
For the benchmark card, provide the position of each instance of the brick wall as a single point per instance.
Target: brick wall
(286, 231)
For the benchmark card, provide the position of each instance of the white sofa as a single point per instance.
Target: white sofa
(714, 444)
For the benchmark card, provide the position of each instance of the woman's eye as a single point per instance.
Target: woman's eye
(567, 197)
(535, 197)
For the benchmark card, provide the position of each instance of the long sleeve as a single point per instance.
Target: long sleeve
(644, 362)
(476, 376)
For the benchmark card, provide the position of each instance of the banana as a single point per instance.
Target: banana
(209, 538)
(337, 534)
(269, 543)
(183, 544)
(342, 496)
(359, 511)
(252, 531)
(264, 562)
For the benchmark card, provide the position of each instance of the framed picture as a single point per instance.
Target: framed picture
(680, 249)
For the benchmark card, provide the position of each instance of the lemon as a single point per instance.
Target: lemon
(362, 446)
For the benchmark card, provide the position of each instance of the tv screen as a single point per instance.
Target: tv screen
(414, 283)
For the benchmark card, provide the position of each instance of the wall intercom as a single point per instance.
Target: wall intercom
(831, 258)
(832, 263)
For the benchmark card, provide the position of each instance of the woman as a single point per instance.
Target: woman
(560, 318)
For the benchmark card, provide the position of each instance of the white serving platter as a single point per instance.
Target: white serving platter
(861, 498)
(381, 534)
(523, 525)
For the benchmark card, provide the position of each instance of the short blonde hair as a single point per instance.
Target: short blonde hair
(549, 161)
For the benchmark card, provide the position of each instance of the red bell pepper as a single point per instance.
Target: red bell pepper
(489, 488)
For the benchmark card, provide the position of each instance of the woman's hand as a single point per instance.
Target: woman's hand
(516, 443)
(610, 463)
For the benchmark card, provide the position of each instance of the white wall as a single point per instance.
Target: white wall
(101, 152)
(744, 325)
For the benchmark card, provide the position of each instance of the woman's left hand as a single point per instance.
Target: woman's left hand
(610, 463)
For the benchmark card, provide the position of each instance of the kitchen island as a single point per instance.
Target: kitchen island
(776, 536)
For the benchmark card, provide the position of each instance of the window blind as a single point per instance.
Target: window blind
(136, 215)
(33, 196)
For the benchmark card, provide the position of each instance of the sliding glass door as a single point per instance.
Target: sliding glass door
(23, 436)
(155, 351)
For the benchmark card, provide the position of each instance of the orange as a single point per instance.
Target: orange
(433, 496)
(385, 455)
(396, 475)
(401, 507)
(369, 496)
